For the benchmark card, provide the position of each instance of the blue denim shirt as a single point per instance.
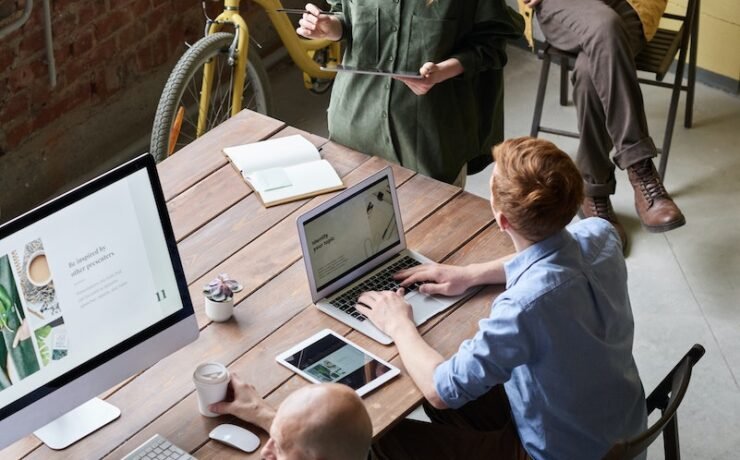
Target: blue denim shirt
(560, 340)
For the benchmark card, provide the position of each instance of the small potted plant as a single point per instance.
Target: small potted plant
(220, 297)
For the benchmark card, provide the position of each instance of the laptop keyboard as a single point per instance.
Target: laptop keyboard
(381, 281)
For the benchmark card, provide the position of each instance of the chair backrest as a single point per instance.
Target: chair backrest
(666, 396)
(659, 53)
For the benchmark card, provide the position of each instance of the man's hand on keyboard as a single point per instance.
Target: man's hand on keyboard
(437, 279)
(387, 310)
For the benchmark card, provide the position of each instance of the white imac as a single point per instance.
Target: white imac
(92, 291)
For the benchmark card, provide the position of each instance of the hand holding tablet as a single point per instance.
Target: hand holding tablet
(330, 358)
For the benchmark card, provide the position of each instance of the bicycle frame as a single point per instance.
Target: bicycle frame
(300, 50)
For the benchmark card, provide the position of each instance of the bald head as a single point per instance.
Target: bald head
(325, 421)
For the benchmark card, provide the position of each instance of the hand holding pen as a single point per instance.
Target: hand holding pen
(314, 24)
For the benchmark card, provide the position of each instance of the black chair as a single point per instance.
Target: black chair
(657, 58)
(666, 396)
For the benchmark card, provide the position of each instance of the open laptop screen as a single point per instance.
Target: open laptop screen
(359, 228)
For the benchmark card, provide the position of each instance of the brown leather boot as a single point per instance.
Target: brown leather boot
(657, 211)
(601, 206)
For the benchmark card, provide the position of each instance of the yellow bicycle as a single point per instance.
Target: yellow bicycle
(221, 74)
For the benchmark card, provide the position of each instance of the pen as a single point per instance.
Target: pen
(300, 11)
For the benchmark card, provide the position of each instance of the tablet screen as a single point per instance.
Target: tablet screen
(331, 359)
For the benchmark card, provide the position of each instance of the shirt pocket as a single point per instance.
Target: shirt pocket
(430, 40)
(365, 47)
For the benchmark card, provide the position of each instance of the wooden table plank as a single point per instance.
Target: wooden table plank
(260, 247)
(277, 248)
(187, 435)
(175, 370)
(200, 158)
(462, 206)
(207, 199)
(220, 190)
(162, 386)
(257, 366)
(240, 224)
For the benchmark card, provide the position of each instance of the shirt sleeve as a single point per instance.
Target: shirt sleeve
(484, 47)
(503, 342)
(336, 6)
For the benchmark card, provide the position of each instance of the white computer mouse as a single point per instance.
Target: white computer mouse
(235, 436)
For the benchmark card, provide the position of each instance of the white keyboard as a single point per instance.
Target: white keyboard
(158, 448)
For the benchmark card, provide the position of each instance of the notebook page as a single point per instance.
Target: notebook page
(273, 153)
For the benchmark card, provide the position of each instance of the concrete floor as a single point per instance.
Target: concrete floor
(684, 284)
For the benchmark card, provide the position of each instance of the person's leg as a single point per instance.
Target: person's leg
(609, 33)
(596, 167)
(481, 429)
(413, 440)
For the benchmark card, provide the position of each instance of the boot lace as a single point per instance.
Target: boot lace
(600, 207)
(650, 184)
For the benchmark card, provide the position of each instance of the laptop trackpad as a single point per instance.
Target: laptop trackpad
(424, 306)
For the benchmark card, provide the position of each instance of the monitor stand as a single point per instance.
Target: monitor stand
(77, 423)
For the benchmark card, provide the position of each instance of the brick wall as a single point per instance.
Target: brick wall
(100, 48)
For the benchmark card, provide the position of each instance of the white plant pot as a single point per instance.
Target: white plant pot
(219, 311)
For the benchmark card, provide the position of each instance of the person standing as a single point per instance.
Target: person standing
(434, 125)
(607, 35)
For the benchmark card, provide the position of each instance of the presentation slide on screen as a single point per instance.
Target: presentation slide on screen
(79, 282)
(351, 233)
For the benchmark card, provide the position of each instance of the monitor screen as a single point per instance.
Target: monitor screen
(80, 279)
(352, 232)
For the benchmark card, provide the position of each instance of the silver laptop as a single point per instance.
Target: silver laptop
(355, 243)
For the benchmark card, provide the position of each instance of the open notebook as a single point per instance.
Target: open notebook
(285, 169)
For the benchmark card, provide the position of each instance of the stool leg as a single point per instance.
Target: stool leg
(540, 100)
(676, 94)
(689, 113)
(564, 63)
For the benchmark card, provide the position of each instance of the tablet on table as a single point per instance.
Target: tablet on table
(330, 358)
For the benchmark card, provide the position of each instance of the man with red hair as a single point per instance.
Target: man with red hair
(550, 373)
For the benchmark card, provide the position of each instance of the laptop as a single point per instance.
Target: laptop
(354, 243)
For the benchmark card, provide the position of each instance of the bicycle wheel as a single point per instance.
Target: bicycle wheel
(181, 95)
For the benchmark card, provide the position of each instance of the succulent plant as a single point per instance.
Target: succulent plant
(222, 288)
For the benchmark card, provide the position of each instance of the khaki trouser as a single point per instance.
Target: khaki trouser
(482, 429)
(607, 35)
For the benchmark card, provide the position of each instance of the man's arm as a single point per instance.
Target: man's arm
(246, 404)
(450, 280)
(392, 314)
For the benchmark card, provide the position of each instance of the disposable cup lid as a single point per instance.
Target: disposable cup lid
(211, 373)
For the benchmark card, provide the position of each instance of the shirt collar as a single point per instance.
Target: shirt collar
(516, 267)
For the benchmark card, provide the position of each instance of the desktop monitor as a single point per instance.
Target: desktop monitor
(92, 291)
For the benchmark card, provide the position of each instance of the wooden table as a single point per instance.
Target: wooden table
(221, 227)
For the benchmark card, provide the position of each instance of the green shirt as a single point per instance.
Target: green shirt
(457, 120)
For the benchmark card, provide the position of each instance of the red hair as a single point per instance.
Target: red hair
(536, 186)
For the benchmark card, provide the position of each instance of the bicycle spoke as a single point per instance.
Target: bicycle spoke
(223, 107)
(186, 83)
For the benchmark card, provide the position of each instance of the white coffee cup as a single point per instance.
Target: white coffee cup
(37, 269)
(211, 382)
